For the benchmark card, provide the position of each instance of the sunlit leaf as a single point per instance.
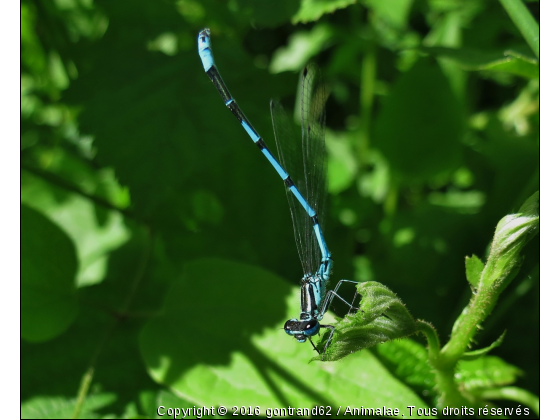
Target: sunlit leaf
(311, 10)
(342, 162)
(78, 217)
(63, 408)
(302, 46)
(227, 342)
(485, 372)
(512, 393)
(166, 401)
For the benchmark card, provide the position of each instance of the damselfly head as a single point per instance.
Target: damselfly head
(301, 330)
(204, 39)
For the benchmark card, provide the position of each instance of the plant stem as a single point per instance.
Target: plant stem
(449, 392)
(512, 234)
(433, 341)
(524, 21)
(466, 326)
(82, 392)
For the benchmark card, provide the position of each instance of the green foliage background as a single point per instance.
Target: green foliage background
(158, 260)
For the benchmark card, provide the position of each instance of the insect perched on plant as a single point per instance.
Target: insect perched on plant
(306, 194)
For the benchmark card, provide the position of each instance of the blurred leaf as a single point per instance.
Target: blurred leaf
(514, 161)
(508, 61)
(474, 270)
(342, 163)
(235, 349)
(485, 373)
(314, 9)
(376, 183)
(420, 118)
(207, 208)
(32, 54)
(468, 202)
(302, 46)
(447, 31)
(395, 12)
(78, 217)
(63, 408)
(382, 317)
(475, 354)
(48, 270)
(518, 115)
(269, 13)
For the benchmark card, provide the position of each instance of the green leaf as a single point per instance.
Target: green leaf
(78, 217)
(382, 317)
(394, 12)
(220, 336)
(433, 124)
(512, 393)
(531, 206)
(302, 46)
(48, 271)
(408, 361)
(485, 373)
(472, 355)
(515, 161)
(268, 14)
(474, 269)
(343, 165)
(508, 61)
(167, 400)
(311, 10)
(468, 202)
(63, 408)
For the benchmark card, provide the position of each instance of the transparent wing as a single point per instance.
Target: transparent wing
(313, 118)
(304, 158)
(291, 158)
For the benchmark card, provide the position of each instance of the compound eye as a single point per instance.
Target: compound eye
(289, 326)
(311, 327)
